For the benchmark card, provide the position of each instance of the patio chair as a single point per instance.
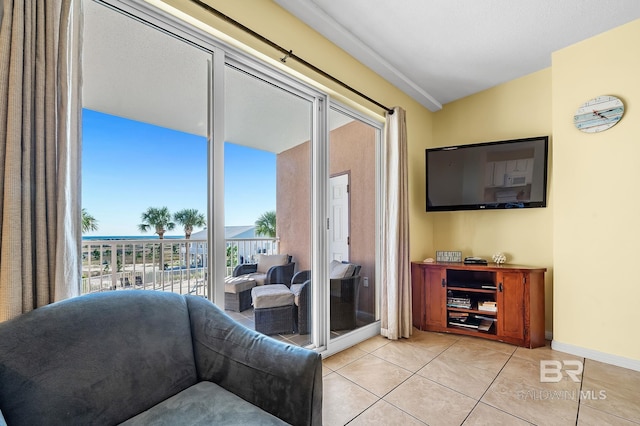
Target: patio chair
(343, 294)
(344, 285)
(270, 269)
(301, 289)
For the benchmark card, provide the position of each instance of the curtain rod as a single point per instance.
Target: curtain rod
(288, 53)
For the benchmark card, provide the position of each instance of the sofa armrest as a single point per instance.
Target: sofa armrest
(280, 274)
(245, 268)
(282, 379)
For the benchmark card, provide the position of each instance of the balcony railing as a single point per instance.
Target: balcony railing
(176, 265)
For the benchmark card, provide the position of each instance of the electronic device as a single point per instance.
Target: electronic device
(475, 261)
(490, 175)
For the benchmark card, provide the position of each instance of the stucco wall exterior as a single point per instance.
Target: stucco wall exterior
(352, 151)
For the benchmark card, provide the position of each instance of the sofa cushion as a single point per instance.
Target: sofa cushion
(266, 261)
(95, 359)
(204, 404)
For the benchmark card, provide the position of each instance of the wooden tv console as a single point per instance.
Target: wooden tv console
(468, 299)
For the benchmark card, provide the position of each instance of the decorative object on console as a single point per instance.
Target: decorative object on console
(449, 256)
(499, 258)
(598, 114)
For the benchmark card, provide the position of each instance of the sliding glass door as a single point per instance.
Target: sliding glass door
(354, 185)
(259, 153)
(267, 191)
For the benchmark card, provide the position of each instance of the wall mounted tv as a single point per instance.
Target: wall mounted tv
(491, 175)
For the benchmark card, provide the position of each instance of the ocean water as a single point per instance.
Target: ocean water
(130, 237)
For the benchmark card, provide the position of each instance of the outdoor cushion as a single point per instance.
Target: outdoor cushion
(340, 270)
(257, 277)
(204, 404)
(238, 284)
(271, 296)
(266, 261)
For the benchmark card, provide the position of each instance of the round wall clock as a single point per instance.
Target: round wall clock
(598, 114)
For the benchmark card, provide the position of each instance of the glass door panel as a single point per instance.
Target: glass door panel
(144, 160)
(352, 223)
(267, 200)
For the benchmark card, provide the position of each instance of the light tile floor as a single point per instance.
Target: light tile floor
(442, 379)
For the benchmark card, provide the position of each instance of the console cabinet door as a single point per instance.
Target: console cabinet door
(436, 298)
(511, 312)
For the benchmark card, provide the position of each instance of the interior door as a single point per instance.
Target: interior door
(339, 217)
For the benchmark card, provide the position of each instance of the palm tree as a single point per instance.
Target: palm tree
(158, 219)
(266, 224)
(89, 223)
(189, 218)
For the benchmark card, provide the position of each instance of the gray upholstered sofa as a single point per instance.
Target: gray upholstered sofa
(147, 357)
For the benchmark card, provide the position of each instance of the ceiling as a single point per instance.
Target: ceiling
(134, 71)
(438, 51)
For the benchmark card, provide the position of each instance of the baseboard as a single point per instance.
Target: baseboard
(632, 364)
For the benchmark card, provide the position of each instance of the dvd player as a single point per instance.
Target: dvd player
(475, 261)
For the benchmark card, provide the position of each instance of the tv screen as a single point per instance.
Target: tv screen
(491, 175)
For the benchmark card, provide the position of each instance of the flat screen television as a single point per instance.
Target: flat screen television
(492, 175)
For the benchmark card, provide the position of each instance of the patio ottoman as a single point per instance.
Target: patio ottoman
(237, 293)
(273, 309)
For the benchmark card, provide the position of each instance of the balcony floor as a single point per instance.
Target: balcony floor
(246, 318)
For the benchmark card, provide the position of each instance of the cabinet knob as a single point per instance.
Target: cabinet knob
(500, 287)
(443, 283)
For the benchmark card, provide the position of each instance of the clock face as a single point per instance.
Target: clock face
(598, 114)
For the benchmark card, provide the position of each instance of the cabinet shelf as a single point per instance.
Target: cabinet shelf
(472, 311)
(471, 331)
(472, 289)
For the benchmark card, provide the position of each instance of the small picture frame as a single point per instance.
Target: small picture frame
(449, 256)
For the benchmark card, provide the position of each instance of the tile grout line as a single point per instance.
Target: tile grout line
(381, 398)
(487, 389)
(413, 373)
(580, 392)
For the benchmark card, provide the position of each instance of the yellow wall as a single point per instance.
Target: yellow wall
(596, 197)
(517, 109)
(278, 25)
(593, 299)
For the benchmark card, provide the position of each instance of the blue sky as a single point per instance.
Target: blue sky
(128, 166)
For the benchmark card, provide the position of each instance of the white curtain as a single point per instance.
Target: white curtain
(396, 282)
(40, 76)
